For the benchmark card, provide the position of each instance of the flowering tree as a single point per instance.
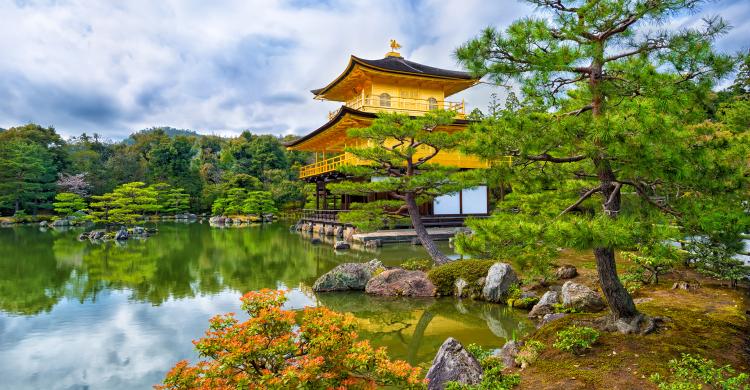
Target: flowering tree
(273, 350)
(75, 184)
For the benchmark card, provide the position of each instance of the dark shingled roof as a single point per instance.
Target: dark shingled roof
(401, 65)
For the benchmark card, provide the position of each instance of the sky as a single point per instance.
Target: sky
(221, 67)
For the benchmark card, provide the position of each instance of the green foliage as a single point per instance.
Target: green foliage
(652, 261)
(27, 175)
(125, 205)
(716, 259)
(259, 203)
(67, 203)
(694, 373)
(529, 352)
(169, 199)
(633, 279)
(492, 373)
(417, 264)
(444, 276)
(576, 339)
(375, 215)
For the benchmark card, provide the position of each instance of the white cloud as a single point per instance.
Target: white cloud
(220, 67)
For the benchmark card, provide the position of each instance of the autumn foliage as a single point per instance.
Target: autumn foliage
(282, 349)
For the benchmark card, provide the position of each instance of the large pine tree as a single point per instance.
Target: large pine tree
(610, 142)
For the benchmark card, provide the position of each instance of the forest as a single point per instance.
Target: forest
(37, 163)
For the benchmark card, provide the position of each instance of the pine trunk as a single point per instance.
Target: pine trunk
(416, 220)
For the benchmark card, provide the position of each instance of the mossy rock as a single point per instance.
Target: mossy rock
(523, 303)
(444, 277)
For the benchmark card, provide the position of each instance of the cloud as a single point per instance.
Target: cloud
(223, 67)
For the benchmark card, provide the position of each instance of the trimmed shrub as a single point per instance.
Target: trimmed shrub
(444, 277)
(576, 339)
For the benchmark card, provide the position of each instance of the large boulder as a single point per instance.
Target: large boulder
(400, 282)
(347, 276)
(581, 298)
(566, 272)
(453, 363)
(545, 305)
(500, 278)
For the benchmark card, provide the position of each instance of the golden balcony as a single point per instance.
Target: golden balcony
(410, 106)
(447, 158)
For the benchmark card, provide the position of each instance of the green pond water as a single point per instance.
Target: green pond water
(78, 315)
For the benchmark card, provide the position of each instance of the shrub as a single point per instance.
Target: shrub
(417, 264)
(279, 349)
(444, 277)
(633, 279)
(492, 375)
(692, 372)
(576, 339)
(529, 352)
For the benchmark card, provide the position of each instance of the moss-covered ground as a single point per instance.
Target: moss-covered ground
(710, 321)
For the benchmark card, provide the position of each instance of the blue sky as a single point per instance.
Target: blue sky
(220, 67)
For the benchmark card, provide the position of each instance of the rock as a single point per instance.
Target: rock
(96, 234)
(83, 236)
(122, 234)
(372, 244)
(508, 353)
(579, 297)
(139, 231)
(43, 224)
(545, 305)
(338, 232)
(347, 276)
(453, 363)
(566, 272)
(416, 241)
(400, 282)
(551, 317)
(62, 222)
(500, 278)
(340, 245)
(315, 241)
(460, 287)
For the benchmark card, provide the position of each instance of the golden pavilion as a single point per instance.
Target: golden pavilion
(391, 84)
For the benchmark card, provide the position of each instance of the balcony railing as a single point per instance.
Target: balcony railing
(404, 105)
(446, 157)
(327, 165)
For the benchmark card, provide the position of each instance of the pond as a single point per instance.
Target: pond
(78, 315)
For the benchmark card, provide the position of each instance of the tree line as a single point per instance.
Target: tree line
(37, 164)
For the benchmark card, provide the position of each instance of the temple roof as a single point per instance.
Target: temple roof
(342, 112)
(399, 65)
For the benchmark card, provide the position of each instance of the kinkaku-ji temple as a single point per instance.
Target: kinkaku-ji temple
(391, 84)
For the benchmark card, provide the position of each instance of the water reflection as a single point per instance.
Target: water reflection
(118, 315)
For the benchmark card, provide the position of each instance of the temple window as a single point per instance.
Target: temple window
(385, 100)
(432, 103)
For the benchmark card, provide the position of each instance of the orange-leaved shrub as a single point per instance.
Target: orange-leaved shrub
(279, 349)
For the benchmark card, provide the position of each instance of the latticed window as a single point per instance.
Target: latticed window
(432, 103)
(385, 100)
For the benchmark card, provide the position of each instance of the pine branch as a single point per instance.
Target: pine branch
(581, 199)
(547, 157)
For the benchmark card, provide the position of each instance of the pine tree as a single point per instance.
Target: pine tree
(67, 203)
(27, 177)
(401, 151)
(611, 110)
(125, 205)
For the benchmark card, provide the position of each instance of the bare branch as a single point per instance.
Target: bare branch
(581, 199)
(614, 193)
(642, 193)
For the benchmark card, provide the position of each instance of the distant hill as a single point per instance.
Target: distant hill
(169, 131)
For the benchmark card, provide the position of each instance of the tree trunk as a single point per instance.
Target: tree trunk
(620, 302)
(416, 220)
